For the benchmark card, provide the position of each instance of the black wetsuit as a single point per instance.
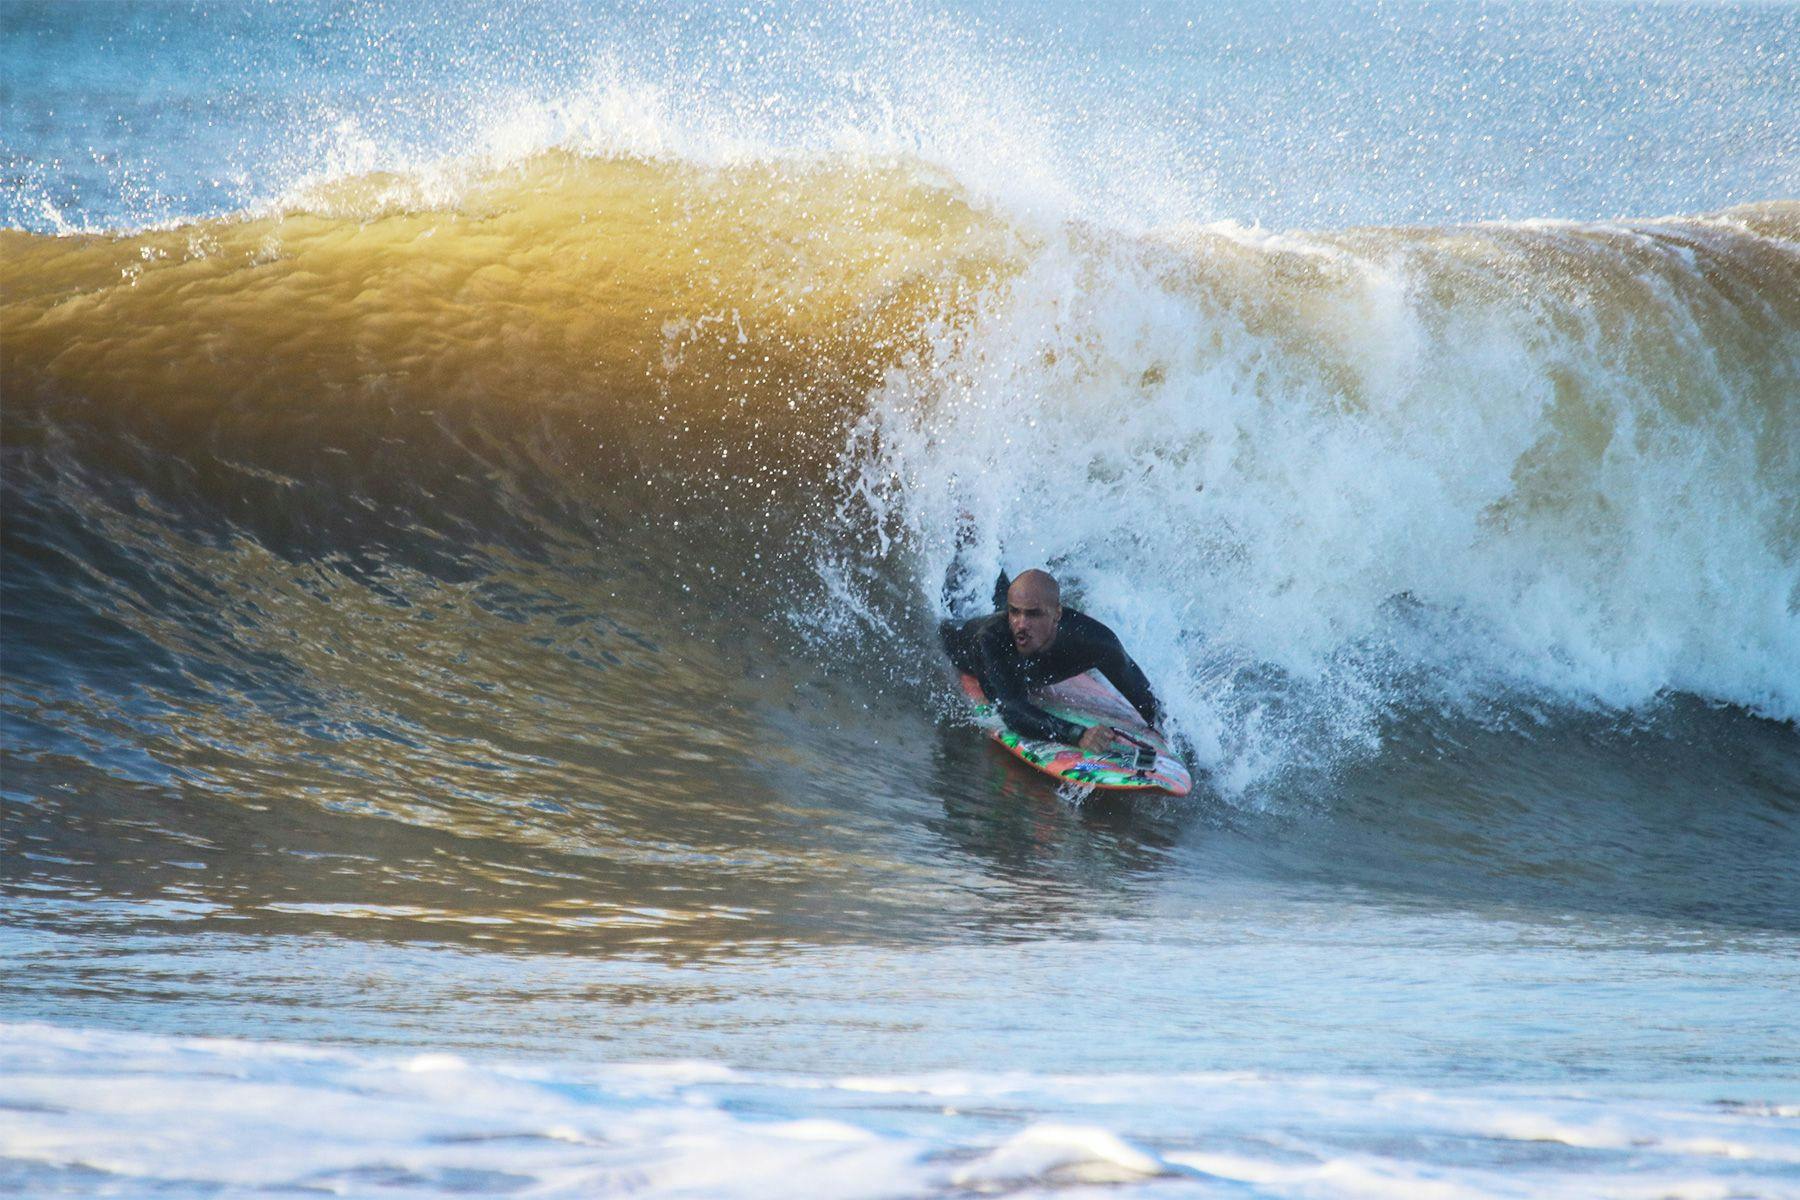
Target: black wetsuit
(984, 648)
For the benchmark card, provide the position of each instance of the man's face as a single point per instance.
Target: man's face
(1032, 616)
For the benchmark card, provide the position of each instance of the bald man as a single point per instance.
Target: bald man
(1036, 642)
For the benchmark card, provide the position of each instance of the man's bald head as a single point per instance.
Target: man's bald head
(1033, 606)
(1038, 587)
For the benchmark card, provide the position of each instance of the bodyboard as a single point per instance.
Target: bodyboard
(1088, 699)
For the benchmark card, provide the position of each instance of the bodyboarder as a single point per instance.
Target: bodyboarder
(1035, 642)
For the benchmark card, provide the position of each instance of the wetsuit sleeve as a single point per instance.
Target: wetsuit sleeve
(1028, 720)
(1124, 673)
(1023, 717)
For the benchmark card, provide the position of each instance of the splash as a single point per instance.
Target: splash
(1317, 480)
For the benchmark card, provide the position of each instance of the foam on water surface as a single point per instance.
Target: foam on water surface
(87, 1112)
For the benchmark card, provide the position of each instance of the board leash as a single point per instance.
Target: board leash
(1143, 748)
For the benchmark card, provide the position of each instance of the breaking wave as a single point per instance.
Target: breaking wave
(1317, 480)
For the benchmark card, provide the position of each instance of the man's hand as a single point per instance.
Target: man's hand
(1097, 739)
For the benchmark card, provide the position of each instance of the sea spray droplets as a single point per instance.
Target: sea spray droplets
(1133, 119)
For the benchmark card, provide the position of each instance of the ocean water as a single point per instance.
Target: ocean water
(479, 486)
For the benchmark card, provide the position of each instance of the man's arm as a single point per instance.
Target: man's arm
(1124, 673)
(1028, 720)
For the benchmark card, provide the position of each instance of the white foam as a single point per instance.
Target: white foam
(1060, 1154)
(1347, 474)
(156, 1113)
